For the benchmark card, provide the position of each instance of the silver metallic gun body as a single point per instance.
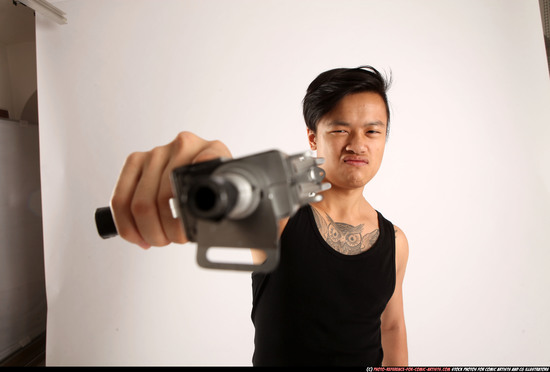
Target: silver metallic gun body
(239, 202)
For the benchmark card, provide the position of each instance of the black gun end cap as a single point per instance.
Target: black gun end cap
(105, 223)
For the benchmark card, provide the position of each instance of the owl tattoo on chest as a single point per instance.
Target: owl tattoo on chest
(344, 238)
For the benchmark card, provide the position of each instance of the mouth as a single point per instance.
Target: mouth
(356, 161)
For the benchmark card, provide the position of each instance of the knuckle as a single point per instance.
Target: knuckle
(156, 154)
(217, 144)
(160, 150)
(219, 147)
(135, 159)
(184, 138)
(142, 208)
(118, 203)
(126, 232)
(156, 151)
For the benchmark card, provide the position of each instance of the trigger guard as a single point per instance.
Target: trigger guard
(268, 265)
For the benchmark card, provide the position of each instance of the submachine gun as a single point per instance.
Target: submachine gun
(237, 203)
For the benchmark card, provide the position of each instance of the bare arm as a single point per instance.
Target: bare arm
(394, 334)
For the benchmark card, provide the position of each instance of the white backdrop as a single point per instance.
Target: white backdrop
(466, 171)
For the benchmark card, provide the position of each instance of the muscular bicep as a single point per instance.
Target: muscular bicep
(393, 314)
(394, 333)
(401, 253)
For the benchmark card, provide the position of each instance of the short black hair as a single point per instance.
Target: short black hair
(331, 86)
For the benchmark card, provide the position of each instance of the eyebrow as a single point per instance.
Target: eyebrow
(335, 123)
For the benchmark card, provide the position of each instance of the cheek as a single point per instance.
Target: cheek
(331, 157)
(378, 148)
(379, 154)
(329, 147)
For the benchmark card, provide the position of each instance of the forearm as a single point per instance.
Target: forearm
(394, 344)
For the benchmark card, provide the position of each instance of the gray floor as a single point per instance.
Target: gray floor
(32, 355)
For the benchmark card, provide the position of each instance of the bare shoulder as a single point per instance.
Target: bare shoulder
(400, 237)
(401, 247)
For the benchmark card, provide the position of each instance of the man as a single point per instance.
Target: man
(336, 296)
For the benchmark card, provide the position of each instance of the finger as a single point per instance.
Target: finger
(122, 198)
(144, 203)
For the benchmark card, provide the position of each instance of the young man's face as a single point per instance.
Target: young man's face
(351, 138)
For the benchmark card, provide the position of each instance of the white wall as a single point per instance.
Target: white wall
(465, 173)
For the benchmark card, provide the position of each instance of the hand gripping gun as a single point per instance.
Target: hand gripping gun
(237, 203)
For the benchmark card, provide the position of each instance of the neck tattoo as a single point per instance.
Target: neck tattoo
(342, 237)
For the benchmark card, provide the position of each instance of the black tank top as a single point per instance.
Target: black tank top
(321, 307)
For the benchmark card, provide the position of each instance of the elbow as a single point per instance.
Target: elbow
(396, 325)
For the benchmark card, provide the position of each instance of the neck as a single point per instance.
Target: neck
(343, 203)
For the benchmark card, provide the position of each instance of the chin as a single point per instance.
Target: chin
(351, 183)
(349, 180)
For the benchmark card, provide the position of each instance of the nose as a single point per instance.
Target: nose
(356, 144)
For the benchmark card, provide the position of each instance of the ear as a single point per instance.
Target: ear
(312, 139)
